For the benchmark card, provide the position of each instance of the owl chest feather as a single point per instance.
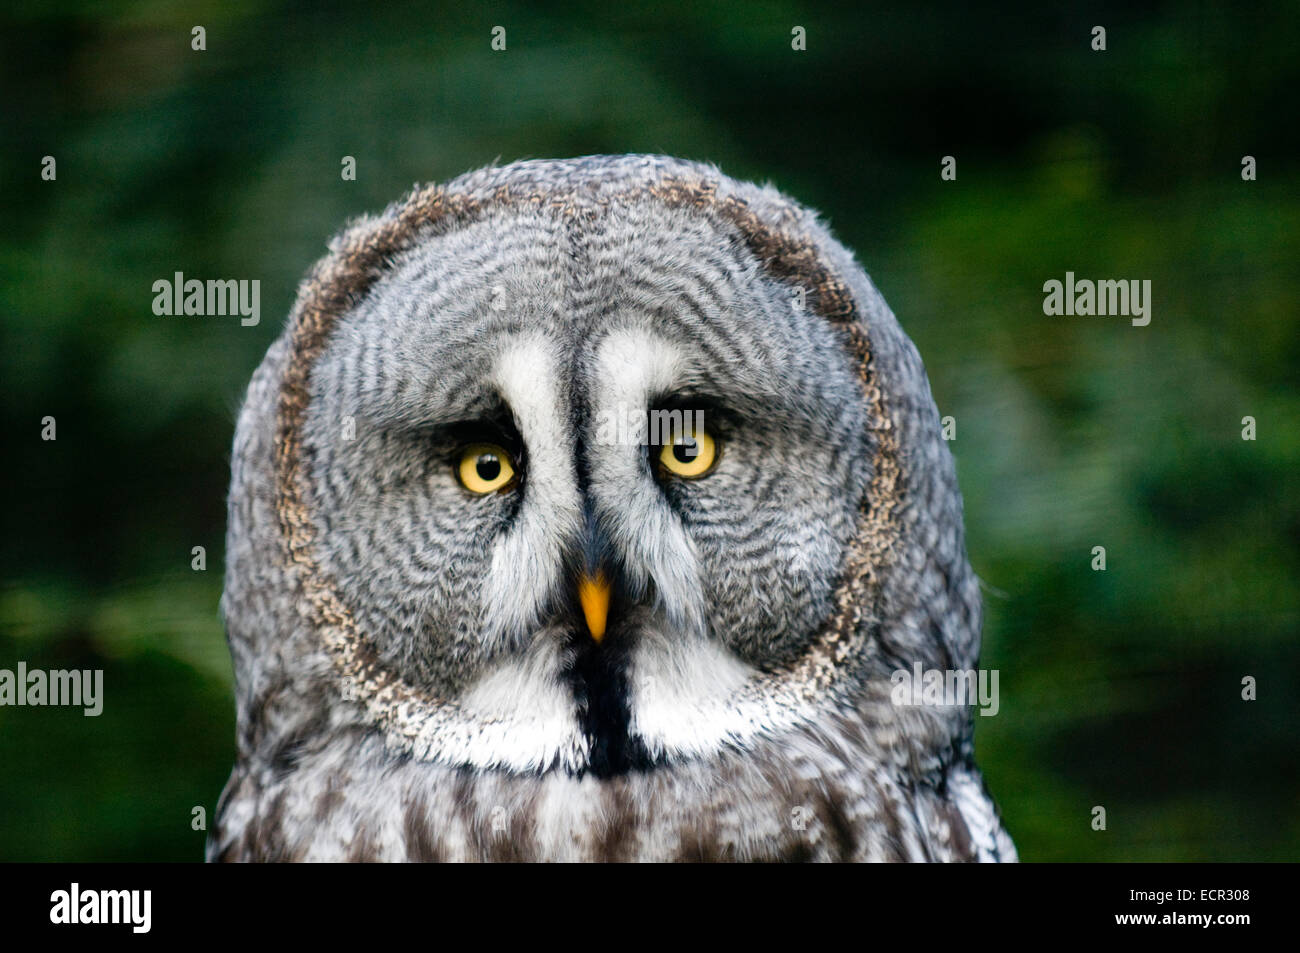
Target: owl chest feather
(786, 801)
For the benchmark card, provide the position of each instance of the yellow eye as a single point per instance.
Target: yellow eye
(485, 468)
(690, 454)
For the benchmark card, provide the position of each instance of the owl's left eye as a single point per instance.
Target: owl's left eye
(690, 455)
(485, 468)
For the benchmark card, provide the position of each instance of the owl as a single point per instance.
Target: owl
(588, 510)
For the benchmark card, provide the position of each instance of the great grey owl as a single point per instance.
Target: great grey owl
(482, 608)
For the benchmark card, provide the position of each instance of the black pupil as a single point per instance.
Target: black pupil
(686, 450)
(488, 467)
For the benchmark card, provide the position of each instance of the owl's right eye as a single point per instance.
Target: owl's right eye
(484, 468)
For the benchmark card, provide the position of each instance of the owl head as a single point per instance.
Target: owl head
(591, 466)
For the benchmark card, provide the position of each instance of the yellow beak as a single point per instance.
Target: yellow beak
(593, 593)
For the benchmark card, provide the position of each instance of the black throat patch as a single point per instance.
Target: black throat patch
(598, 677)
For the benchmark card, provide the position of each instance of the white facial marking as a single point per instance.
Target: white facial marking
(632, 368)
(685, 687)
(526, 560)
(526, 710)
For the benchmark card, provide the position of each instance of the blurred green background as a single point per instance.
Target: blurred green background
(1119, 688)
